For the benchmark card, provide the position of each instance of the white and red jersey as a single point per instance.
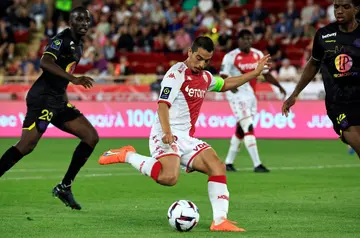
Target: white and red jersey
(236, 63)
(184, 92)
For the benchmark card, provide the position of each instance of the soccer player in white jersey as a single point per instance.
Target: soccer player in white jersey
(242, 100)
(171, 140)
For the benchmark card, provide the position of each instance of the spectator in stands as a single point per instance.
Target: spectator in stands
(297, 31)
(274, 50)
(224, 40)
(259, 30)
(291, 12)
(121, 14)
(38, 12)
(49, 30)
(182, 40)
(102, 76)
(307, 12)
(126, 41)
(121, 70)
(318, 13)
(145, 40)
(109, 50)
(287, 72)
(31, 66)
(61, 10)
(258, 12)
(283, 26)
(157, 14)
(330, 11)
(205, 6)
(7, 44)
(103, 26)
(89, 52)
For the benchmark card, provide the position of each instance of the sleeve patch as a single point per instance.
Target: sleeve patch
(165, 93)
(56, 44)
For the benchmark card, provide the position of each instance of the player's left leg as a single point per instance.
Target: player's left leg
(207, 162)
(234, 148)
(73, 122)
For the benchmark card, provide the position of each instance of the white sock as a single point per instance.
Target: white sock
(142, 163)
(251, 146)
(233, 149)
(219, 197)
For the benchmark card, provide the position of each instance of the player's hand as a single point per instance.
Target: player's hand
(288, 104)
(168, 138)
(263, 63)
(85, 81)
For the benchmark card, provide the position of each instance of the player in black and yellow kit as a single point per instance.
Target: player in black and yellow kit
(47, 103)
(336, 52)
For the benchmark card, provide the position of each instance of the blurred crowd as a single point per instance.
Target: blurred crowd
(120, 26)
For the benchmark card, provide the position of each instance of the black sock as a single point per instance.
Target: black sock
(80, 156)
(9, 159)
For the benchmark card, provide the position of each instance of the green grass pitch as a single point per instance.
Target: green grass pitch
(312, 191)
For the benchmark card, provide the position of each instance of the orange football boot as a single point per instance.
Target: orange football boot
(226, 225)
(116, 155)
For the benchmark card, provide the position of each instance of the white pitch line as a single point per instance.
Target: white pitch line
(137, 173)
(65, 167)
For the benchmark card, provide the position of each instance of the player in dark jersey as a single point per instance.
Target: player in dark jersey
(336, 52)
(47, 103)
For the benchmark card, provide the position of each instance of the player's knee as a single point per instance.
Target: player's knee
(246, 125)
(168, 179)
(251, 129)
(26, 147)
(92, 139)
(239, 131)
(217, 168)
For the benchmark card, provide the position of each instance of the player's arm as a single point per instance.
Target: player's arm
(170, 87)
(270, 79)
(164, 118)
(311, 67)
(48, 63)
(310, 70)
(236, 81)
(225, 70)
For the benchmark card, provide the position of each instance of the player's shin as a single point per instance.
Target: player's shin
(251, 146)
(233, 149)
(146, 165)
(9, 159)
(219, 197)
(80, 156)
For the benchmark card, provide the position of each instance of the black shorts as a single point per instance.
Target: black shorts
(343, 118)
(41, 114)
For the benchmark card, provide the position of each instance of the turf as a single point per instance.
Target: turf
(312, 191)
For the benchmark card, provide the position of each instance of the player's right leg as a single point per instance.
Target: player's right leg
(163, 166)
(34, 125)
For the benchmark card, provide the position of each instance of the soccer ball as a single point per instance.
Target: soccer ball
(183, 215)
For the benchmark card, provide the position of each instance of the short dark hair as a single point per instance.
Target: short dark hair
(244, 32)
(78, 9)
(203, 42)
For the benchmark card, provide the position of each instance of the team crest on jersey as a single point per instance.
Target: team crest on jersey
(172, 76)
(165, 93)
(56, 44)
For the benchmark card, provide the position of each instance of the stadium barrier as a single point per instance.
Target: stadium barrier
(134, 119)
